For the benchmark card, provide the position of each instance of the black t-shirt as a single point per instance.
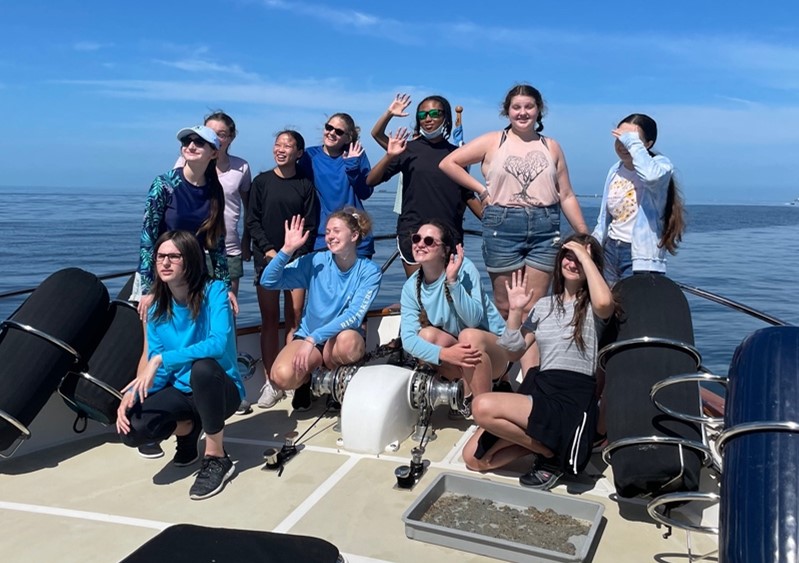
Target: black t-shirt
(274, 200)
(427, 193)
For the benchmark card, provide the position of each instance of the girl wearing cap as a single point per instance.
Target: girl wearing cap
(338, 169)
(234, 175)
(341, 288)
(187, 198)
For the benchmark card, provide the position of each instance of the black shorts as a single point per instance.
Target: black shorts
(319, 346)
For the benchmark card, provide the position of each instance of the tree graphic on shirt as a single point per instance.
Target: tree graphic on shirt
(525, 170)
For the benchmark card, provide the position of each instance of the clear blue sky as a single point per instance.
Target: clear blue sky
(94, 91)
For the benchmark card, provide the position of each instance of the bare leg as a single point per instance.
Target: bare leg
(443, 339)
(347, 347)
(492, 363)
(283, 374)
(539, 282)
(213, 444)
(505, 415)
(270, 319)
(293, 302)
(498, 455)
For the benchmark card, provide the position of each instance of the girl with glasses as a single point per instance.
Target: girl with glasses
(188, 198)
(554, 412)
(338, 169)
(341, 287)
(427, 193)
(189, 382)
(447, 319)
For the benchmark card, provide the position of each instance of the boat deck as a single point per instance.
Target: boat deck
(97, 500)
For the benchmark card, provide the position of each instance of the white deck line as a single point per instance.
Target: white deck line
(316, 496)
(84, 515)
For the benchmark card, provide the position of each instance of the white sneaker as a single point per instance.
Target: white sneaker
(269, 395)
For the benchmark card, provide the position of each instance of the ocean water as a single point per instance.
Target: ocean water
(745, 253)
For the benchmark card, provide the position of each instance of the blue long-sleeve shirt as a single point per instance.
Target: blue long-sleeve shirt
(340, 182)
(470, 308)
(655, 173)
(336, 300)
(181, 340)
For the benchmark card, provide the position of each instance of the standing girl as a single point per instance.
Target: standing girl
(277, 196)
(527, 185)
(341, 288)
(190, 382)
(427, 193)
(554, 412)
(187, 198)
(642, 212)
(338, 169)
(447, 320)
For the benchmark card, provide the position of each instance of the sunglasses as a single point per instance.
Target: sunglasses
(428, 241)
(199, 142)
(433, 113)
(338, 131)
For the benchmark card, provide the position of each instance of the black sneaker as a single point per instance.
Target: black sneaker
(215, 472)
(503, 386)
(541, 476)
(331, 404)
(302, 398)
(151, 451)
(188, 449)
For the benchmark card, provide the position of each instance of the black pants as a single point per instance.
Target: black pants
(215, 397)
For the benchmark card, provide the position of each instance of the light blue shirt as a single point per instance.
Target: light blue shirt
(470, 308)
(181, 340)
(336, 300)
(655, 173)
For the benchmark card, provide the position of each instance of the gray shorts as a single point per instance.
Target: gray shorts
(235, 266)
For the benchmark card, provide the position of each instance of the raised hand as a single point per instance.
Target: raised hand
(397, 142)
(296, 235)
(355, 150)
(582, 253)
(399, 104)
(518, 296)
(454, 265)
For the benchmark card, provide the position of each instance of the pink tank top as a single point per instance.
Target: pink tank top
(522, 174)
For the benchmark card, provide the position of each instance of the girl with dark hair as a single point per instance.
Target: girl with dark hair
(187, 198)
(554, 412)
(527, 186)
(447, 320)
(642, 211)
(190, 381)
(427, 193)
(338, 169)
(278, 195)
(340, 287)
(234, 175)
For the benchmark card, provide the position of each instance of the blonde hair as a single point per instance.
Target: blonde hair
(357, 220)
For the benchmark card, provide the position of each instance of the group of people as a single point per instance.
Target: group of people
(308, 235)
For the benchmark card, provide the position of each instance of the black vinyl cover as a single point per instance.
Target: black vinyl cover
(187, 543)
(759, 485)
(69, 305)
(651, 305)
(113, 361)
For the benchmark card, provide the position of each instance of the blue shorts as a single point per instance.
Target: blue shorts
(520, 236)
(618, 260)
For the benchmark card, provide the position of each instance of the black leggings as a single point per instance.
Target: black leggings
(215, 397)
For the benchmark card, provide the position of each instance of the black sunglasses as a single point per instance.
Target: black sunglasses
(338, 131)
(428, 241)
(199, 142)
(433, 113)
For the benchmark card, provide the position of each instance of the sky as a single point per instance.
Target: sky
(94, 91)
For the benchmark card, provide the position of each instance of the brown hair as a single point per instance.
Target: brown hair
(352, 130)
(529, 91)
(194, 274)
(448, 242)
(212, 230)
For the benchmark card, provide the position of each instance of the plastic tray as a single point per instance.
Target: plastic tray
(512, 495)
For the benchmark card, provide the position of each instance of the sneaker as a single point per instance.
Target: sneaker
(270, 395)
(503, 386)
(244, 407)
(151, 451)
(331, 404)
(541, 476)
(211, 479)
(302, 398)
(188, 449)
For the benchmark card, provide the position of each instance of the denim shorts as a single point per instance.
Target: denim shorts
(517, 236)
(618, 260)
